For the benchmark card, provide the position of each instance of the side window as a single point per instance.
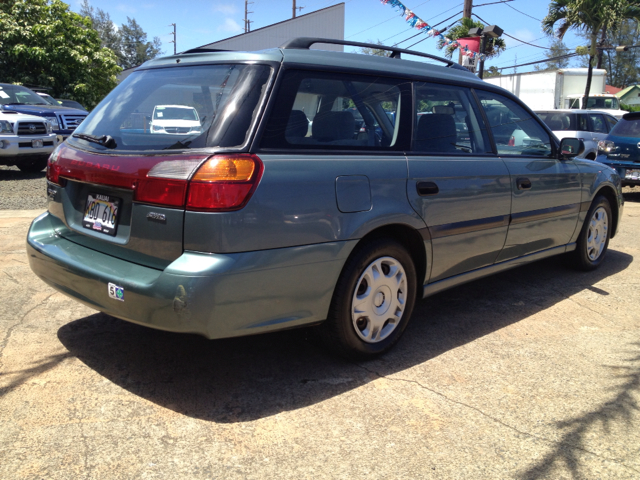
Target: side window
(317, 110)
(598, 123)
(447, 121)
(611, 121)
(514, 130)
(583, 125)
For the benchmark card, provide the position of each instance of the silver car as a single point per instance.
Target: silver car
(588, 125)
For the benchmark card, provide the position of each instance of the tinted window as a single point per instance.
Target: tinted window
(611, 121)
(324, 110)
(560, 120)
(627, 128)
(447, 121)
(179, 108)
(598, 123)
(514, 130)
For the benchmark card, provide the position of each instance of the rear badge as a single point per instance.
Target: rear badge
(159, 217)
(116, 292)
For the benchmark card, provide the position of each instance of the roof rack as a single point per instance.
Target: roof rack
(203, 50)
(306, 42)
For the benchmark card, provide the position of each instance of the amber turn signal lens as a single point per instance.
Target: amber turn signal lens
(225, 169)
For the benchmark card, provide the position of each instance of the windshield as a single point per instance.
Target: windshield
(626, 128)
(597, 102)
(15, 94)
(178, 108)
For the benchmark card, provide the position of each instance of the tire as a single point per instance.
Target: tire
(372, 302)
(33, 166)
(594, 237)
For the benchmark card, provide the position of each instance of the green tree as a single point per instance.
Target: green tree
(135, 48)
(101, 22)
(623, 67)
(375, 51)
(593, 18)
(493, 47)
(44, 44)
(556, 49)
(492, 71)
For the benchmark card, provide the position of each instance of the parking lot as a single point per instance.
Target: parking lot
(533, 373)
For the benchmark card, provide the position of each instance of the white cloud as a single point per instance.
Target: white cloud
(231, 26)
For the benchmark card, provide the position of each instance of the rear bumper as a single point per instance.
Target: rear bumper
(621, 167)
(215, 295)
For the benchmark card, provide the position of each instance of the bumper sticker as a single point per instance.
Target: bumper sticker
(116, 292)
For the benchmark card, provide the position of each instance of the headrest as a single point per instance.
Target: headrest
(331, 126)
(443, 109)
(298, 125)
(436, 126)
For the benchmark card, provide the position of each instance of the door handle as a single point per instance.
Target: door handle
(427, 188)
(523, 183)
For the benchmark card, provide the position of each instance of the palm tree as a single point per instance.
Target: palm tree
(591, 17)
(493, 48)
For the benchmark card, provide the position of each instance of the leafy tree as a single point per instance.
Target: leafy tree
(375, 51)
(135, 48)
(101, 23)
(492, 71)
(556, 49)
(44, 44)
(493, 47)
(593, 18)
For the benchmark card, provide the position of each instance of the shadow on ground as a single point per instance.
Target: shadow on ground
(243, 379)
(15, 174)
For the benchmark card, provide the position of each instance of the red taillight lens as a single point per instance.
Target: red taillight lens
(224, 183)
(512, 142)
(161, 191)
(54, 168)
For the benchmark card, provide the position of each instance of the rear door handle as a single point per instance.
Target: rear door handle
(523, 183)
(427, 188)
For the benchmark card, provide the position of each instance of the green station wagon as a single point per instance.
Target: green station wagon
(321, 189)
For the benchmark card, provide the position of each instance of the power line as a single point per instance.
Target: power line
(526, 43)
(385, 21)
(525, 14)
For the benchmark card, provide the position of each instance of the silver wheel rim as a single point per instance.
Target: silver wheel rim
(597, 232)
(379, 299)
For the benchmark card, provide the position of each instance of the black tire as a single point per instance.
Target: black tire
(33, 166)
(590, 250)
(345, 335)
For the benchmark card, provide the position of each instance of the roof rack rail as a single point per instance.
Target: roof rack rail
(306, 42)
(203, 50)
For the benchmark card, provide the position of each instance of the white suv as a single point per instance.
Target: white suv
(25, 141)
(590, 126)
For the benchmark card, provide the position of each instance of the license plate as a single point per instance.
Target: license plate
(101, 213)
(632, 174)
(36, 143)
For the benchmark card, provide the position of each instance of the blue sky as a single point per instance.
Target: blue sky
(200, 22)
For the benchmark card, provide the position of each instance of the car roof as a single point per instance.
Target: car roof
(571, 110)
(296, 52)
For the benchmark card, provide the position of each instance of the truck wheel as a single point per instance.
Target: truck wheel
(594, 237)
(33, 166)
(372, 302)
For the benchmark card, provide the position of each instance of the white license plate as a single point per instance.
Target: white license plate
(101, 213)
(36, 143)
(632, 174)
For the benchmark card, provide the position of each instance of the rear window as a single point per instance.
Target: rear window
(178, 108)
(558, 121)
(627, 128)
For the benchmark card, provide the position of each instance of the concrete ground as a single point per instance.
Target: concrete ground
(533, 373)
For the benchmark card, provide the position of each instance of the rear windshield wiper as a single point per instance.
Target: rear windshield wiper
(104, 140)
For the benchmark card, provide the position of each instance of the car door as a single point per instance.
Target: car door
(545, 191)
(456, 184)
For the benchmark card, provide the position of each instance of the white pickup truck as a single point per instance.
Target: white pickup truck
(25, 141)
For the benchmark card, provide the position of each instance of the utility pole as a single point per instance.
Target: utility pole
(247, 22)
(295, 8)
(174, 37)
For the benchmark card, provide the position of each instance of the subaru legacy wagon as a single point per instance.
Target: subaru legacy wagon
(322, 189)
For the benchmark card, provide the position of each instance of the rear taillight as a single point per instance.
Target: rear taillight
(224, 183)
(606, 146)
(54, 168)
(512, 141)
(161, 191)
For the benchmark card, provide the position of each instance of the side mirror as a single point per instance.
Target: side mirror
(570, 148)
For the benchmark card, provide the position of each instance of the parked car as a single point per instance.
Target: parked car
(253, 225)
(71, 104)
(15, 98)
(590, 126)
(48, 98)
(175, 120)
(26, 141)
(621, 149)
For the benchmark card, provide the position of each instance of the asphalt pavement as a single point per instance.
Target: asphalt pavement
(532, 373)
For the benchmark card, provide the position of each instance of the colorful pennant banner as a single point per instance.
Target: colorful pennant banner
(415, 22)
